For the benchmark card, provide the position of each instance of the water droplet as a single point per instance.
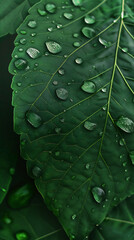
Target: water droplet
(7, 219)
(20, 49)
(58, 130)
(50, 7)
(32, 24)
(50, 29)
(75, 35)
(104, 42)
(36, 171)
(77, 3)
(23, 41)
(33, 34)
(57, 154)
(62, 93)
(87, 166)
(53, 47)
(59, 25)
(76, 44)
(68, 16)
(131, 155)
(121, 142)
(23, 32)
(98, 194)
(21, 196)
(89, 19)
(124, 164)
(3, 189)
(12, 171)
(125, 50)
(34, 119)
(41, 12)
(125, 124)
(55, 83)
(127, 179)
(61, 71)
(104, 90)
(79, 61)
(89, 87)
(20, 64)
(62, 120)
(73, 216)
(33, 53)
(88, 32)
(22, 236)
(89, 125)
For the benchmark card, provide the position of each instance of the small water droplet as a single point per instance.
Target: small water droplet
(121, 142)
(58, 130)
(36, 171)
(77, 3)
(33, 34)
(22, 236)
(50, 29)
(87, 166)
(55, 83)
(125, 50)
(57, 154)
(89, 19)
(76, 44)
(50, 7)
(7, 219)
(127, 179)
(3, 189)
(104, 42)
(23, 41)
(53, 47)
(12, 171)
(75, 35)
(89, 87)
(61, 71)
(131, 155)
(33, 53)
(41, 12)
(73, 216)
(79, 61)
(34, 119)
(125, 124)
(62, 93)
(68, 16)
(62, 120)
(23, 32)
(21, 50)
(104, 90)
(98, 194)
(89, 125)
(88, 32)
(32, 24)
(20, 64)
(124, 164)
(59, 25)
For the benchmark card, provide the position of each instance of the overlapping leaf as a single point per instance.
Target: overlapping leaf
(73, 99)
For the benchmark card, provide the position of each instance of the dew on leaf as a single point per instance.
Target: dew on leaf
(131, 155)
(75, 35)
(21, 50)
(55, 83)
(22, 236)
(125, 124)
(36, 171)
(50, 7)
(121, 142)
(73, 217)
(127, 179)
(33, 53)
(98, 194)
(87, 166)
(88, 32)
(3, 190)
(79, 61)
(41, 12)
(23, 32)
(12, 171)
(68, 16)
(34, 119)
(33, 34)
(104, 90)
(50, 29)
(104, 42)
(76, 44)
(20, 64)
(32, 24)
(89, 87)
(7, 219)
(62, 93)
(89, 19)
(57, 154)
(77, 3)
(59, 26)
(23, 41)
(53, 47)
(125, 50)
(89, 126)
(58, 130)
(124, 164)
(61, 71)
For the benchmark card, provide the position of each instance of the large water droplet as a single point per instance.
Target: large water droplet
(32, 24)
(79, 61)
(22, 236)
(53, 47)
(33, 53)
(20, 64)
(41, 12)
(62, 93)
(34, 119)
(89, 125)
(36, 171)
(50, 7)
(98, 194)
(88, 32)
(89, 87)
(104, 42)
(131, 155)
(68, 16)
(125, 124)
(89, 19)
(77, 2)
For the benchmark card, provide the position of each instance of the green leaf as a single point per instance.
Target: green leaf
(118, 225)
(9, 143)
(12, 14)
(73, 107)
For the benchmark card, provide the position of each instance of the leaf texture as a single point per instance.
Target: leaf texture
(74, 107)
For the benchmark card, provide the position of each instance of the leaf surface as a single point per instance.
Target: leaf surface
(73, 107)
(12, 14)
